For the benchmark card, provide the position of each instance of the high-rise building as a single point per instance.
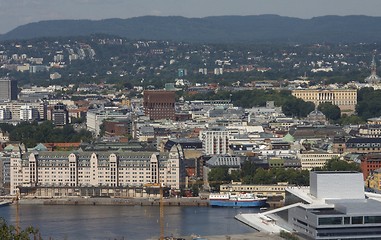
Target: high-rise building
(60, 115)
(159, 104)
(215, 141)
(8, 89)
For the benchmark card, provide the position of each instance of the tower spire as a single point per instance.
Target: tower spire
(374, 65)
(373, 78)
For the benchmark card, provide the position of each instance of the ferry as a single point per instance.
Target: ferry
(236, 200)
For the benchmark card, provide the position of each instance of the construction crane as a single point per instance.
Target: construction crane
(16, 200)
(161, 212)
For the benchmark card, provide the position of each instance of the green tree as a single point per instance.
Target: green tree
(297, 108)
(336, 164)
(32, 133)
(368, 103)
(331, 111)
(218, 176)
(9, 232)
(352, 119)
(195, 188)
(248, 168)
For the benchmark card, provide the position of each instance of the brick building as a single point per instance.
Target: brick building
(159, 104)
(118, 127)
(370, 163)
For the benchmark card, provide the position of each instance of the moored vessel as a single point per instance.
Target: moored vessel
(236, 200)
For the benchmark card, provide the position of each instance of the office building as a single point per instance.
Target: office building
(159, 104)
(8, 89)
(60, 115)
(315, 159)
(95, 118)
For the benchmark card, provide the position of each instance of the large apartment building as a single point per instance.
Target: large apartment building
(97, 169)
(23, 111)
(345, 99)
(215, 141)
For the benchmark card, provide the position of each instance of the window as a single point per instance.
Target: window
(330, 221)
(357, 220)
(372, 219)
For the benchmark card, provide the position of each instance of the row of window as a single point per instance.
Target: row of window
(349, 220)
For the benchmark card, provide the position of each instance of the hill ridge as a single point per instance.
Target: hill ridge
(267, 28)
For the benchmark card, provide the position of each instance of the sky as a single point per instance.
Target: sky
(14, 13)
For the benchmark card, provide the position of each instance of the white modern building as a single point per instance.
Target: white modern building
(17, 109)
(315, 159)
(215, 141)
(335, 206)
(27, 113)
(5, 114)
(95, 118)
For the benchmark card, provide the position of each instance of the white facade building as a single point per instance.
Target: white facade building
(87, 169)
(314, 159)
(215, 141)
(5, 114)
(14, 107)
(95, 118)
(27, 113)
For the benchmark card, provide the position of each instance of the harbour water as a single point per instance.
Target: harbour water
(125, 222)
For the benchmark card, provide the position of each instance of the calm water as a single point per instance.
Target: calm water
(125, 222)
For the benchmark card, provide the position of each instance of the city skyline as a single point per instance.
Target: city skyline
(16, 13)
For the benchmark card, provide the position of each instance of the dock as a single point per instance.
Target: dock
(126, 201)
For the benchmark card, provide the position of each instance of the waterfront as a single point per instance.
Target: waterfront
(71, 222)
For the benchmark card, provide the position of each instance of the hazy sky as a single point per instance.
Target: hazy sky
(17, 12)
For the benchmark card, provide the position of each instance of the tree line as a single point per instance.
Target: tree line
(250, 173)
(33, 133)
(367, 106)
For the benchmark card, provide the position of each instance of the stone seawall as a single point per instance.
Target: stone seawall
(192, 201)
(126, 202)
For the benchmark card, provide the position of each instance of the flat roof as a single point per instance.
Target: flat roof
(363, 207)
(333, 172)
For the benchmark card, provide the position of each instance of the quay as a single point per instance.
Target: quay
(117, 201)
(245, 236)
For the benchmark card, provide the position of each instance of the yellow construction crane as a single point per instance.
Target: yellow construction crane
(161, 213)
(16, 200)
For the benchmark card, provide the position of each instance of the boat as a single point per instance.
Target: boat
(236, 200)
(5, 203)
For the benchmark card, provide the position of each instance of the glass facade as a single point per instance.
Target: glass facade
(330, 221)
(357, 220)
(372, 219)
